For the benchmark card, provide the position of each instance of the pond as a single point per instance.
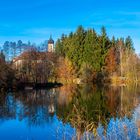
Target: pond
(71, 112)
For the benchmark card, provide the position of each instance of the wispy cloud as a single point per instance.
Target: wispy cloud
(128, 13)
(122, 23)
(118, 23)
(116, 19)
(36, 35)
(47, 31)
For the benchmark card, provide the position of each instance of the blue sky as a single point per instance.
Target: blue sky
(35, 20)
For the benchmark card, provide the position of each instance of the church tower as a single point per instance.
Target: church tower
(50, 45)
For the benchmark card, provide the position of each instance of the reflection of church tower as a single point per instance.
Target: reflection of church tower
(50, 45)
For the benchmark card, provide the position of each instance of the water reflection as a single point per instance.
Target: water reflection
(33, 106)
(31, 114)
(91, 107)
(53, 114)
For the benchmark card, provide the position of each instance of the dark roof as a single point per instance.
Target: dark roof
(50, 41)
(33, 56)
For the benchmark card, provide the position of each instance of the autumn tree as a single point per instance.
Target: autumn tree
(110, 61)
(65, 70)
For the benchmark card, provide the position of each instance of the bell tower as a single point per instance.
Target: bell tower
(50, 45)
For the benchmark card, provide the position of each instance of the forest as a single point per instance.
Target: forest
(95, 57)
(82, 56)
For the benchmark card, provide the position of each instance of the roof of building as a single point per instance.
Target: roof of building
(33, 55)
(50, 41)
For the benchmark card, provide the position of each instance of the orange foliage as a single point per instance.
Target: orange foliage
(65, 69)
(110, 61)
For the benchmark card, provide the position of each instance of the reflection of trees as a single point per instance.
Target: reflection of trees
(112, 100)
(84, 106)
(87, 107)
(31, 106)
(90, 106)
(65, 94)
(122, 100)
(7, 107)
(64, 98)
(36, 106)
(129, 98)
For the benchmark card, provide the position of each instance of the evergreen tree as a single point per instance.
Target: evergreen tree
(104, 44)
(129, 43)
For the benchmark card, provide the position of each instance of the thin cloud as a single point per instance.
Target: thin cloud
(47, 31)
(117, 23)
(128, 13)
(36, 35)
(115, 19)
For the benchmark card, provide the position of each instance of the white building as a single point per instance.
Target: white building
(50, 45)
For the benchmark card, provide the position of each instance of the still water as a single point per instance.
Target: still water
(71, 112)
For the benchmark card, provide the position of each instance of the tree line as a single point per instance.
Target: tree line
(90, 56)
(14, 49)
(30, 70)
(82, 56)
(36, 67)
(6, 73)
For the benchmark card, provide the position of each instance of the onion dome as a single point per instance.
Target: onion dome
(50, 41)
